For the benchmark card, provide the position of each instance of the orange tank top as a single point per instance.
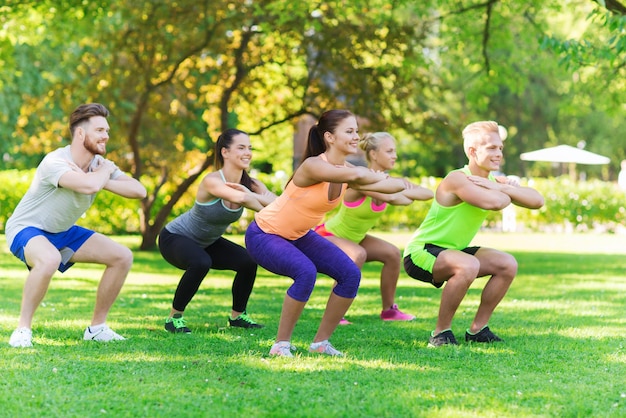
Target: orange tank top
(298, 209)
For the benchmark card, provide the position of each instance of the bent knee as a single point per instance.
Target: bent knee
(509, 265)
(249, 264)
(469, 267)
(348, 285)
(301, 289)
(48, 261)
(123, 257)
(303, 282)
(392, 256)
(348, 288)
(360, 256)
(466, 271)
(202, 265)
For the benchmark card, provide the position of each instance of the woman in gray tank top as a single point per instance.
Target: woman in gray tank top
(194, 241)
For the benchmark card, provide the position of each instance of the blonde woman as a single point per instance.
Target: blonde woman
(361, 210)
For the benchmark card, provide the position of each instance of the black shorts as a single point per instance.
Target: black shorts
(426, 276)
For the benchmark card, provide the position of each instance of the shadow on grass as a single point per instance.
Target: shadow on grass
(562, 321)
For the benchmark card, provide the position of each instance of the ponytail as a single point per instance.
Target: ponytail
(315, 144)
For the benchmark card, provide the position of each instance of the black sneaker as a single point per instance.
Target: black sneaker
(443, 338)
(483, 336)
(176, 324)
(244, 321)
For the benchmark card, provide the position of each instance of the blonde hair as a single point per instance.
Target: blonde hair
(371, 142)
(475, 132)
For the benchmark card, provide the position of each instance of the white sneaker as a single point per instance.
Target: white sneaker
(325, 347)
(21, 337)
(282, 349)
(102, 334)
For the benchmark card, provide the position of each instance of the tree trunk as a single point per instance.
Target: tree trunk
(149, 237)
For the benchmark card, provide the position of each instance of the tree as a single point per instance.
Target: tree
(595, 56)
(175, 74)
(492, 66)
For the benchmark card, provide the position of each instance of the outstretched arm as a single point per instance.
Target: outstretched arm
(126, 186)
(387, 185)
(457, 187)
(255, 200)
(87, 183)
(315, 170)
(414, 192)
(411, 193)
(244, 196)
(100, 178)
(526, 197)
(264, 195)
(212, 186)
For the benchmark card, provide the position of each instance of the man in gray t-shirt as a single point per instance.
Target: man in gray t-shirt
(42, 232)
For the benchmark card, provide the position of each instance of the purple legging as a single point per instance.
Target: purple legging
(302, 259)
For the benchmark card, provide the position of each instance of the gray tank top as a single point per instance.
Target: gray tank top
(205, 222)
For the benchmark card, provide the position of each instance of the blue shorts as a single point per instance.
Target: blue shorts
(67, 242)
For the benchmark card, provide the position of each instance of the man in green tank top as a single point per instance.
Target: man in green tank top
(438, 251)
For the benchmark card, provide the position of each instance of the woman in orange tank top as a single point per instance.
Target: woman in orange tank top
(281, 238)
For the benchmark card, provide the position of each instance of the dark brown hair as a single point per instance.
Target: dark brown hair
(328, 122)
(225, 140)
(85, 111)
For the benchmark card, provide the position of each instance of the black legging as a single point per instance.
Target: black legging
(223, 254)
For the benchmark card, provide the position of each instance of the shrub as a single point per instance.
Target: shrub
(13, 185)
(569, 206)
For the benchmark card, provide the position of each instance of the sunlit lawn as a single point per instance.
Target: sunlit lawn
(563, 322)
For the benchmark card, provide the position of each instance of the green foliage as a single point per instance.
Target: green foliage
(569, 206)
(591, 205)
(583, 206)
(13, 185)
(175, 74)
(113, 215)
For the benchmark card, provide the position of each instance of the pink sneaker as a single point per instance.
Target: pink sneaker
(344, 321)
(395, 314)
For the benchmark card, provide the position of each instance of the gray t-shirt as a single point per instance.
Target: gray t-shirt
(46, 205)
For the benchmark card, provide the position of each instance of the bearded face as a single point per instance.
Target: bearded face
(96, 135)
(93, 147)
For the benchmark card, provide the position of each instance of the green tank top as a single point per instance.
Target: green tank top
(355, 219)
(449, 227)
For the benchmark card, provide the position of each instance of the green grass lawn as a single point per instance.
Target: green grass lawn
(563, 322)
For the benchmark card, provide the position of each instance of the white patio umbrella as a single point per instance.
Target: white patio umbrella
(565, 154)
